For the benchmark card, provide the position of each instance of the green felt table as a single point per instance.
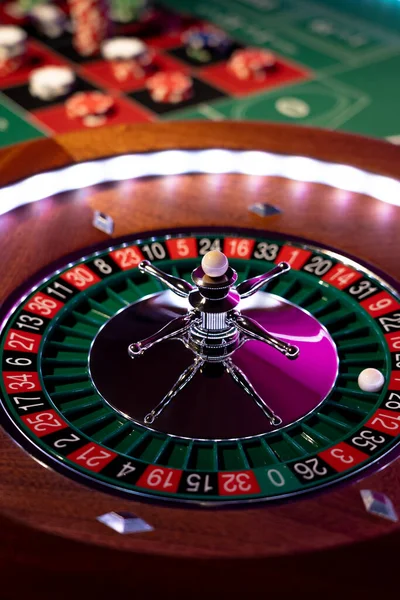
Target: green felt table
(338, 69)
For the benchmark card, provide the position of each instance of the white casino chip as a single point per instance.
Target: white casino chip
(46, 12)
(120, 48)
(48, 83)
(12, 41)
(49, 19)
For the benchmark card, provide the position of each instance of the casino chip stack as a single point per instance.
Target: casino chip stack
(170, 87)
(91, 25)
(128, 57)
(252, 63)
(48, 83)
(48, 19)
(91, 107)
(206, 43)
(12, 49)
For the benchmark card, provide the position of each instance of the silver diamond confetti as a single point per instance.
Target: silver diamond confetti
(379, 504)
(103, 222)
(124, 522)
(265, 210)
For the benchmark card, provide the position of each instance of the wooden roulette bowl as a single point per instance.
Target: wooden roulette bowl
(312, 544)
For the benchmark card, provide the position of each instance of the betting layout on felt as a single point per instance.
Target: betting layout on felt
(124, 70)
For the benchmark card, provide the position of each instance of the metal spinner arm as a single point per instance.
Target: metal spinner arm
(178, 286)
(174, 330)
(251, 286)
(252, 330)
(212, 328)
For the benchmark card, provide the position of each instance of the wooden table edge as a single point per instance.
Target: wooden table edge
(30, 158)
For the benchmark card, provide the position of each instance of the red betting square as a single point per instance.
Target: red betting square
(101, 71)
(81, 277)
(393, 341)
(238, 247)
(182, 248)
(44, 422)
(36, 57)
(380, 304)
(42, 304)
(128, 257)
(173, 37)
(226, 80)
(394, 382)
(22, 341)
(92, 456)
(168, 40)
(19, 383)
(342, 457)
(386, 421)
(160, 478)
(56, 119)
(296, 257)
(341, 276)
(237, 483)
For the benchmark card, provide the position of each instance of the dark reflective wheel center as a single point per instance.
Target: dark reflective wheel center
(72, 396)
(212, 406)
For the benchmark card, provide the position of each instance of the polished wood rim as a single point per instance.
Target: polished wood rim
(352, 223)
(34, 157)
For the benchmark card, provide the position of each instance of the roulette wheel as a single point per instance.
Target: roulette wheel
(245, 460)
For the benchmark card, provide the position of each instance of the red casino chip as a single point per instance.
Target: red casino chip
(170, 87)
(91, 24)
(91, 107)
(251, 63)
(84, 104)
